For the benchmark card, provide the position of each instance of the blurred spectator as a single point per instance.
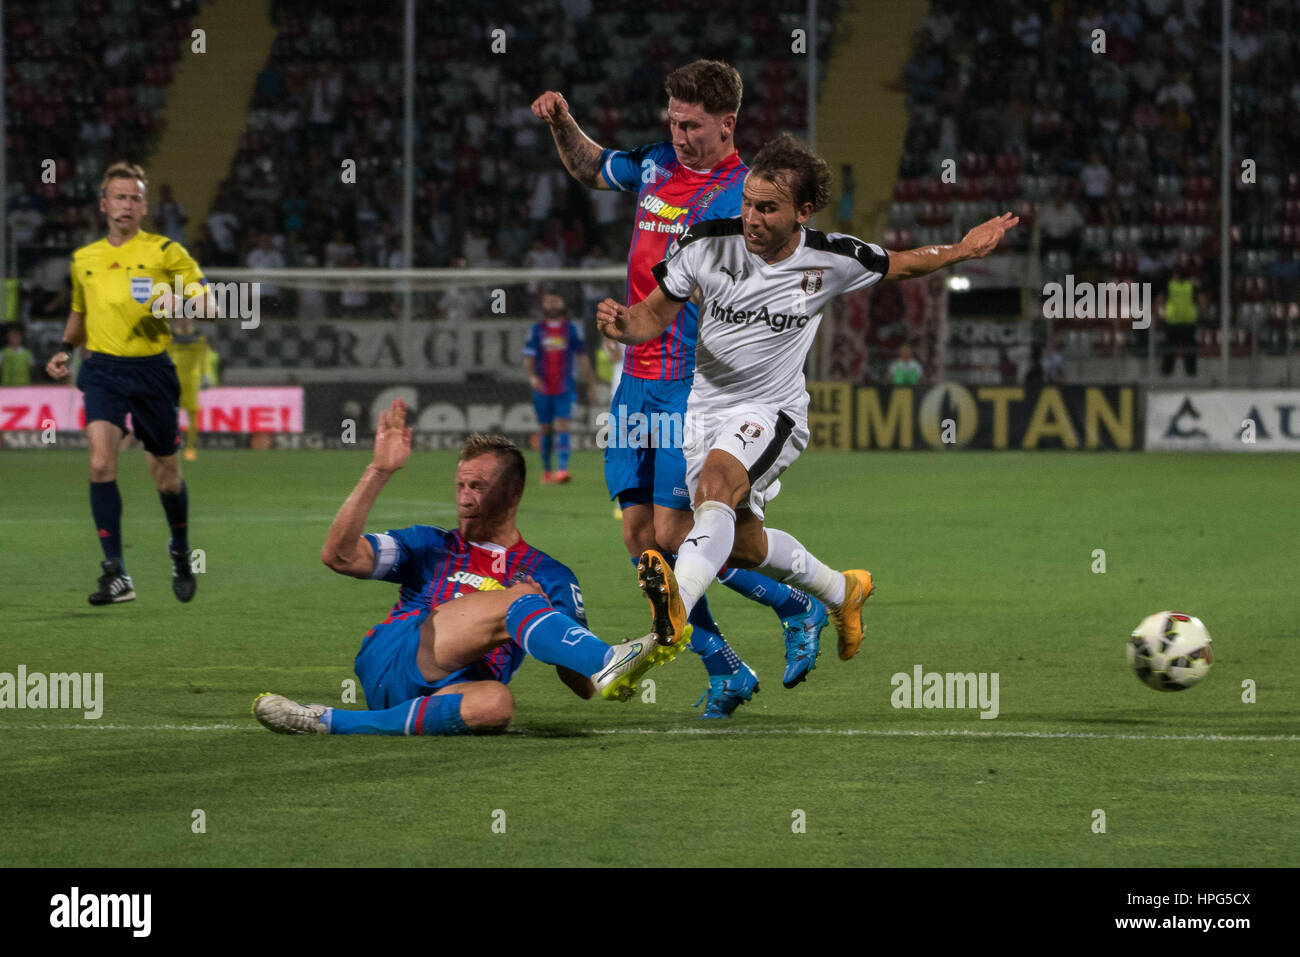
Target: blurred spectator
(457, 303)
(222, 224)
(170, 215)
(905, 370)
(1179, 305)
(266, 256)
(1096, 184)
(1131, 154)
(1061, 223)
(311, 299)
(1284, 272)
(17, 361)
(1052, 362)
(205, 250)
(354, 299)
(541, 256)
(594, 292)
(338, 251)
(25, 222)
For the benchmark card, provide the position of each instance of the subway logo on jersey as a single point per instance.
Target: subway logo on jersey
(657, 207)
(477, 582)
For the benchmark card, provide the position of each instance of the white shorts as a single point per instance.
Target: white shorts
(766, 440)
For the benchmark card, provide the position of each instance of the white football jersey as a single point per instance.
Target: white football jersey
(758, 321)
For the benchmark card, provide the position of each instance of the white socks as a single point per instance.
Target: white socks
(788, 561)
(705, 550)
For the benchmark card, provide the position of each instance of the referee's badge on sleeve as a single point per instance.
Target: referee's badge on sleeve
(141, 288)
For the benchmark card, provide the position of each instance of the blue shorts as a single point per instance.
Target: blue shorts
(386, 663)
(145, 386)
(552, 407)
(650, 414)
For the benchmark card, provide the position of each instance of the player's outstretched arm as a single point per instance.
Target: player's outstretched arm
(978, 243)
(346, 550)
(580, 155)
(640, 322)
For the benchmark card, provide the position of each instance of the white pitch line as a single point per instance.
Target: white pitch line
(122, 727)
(845, 732)
(958, 733)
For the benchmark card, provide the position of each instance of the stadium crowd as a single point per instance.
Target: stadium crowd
(1101, 121)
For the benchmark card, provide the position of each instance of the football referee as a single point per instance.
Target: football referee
(127, 369)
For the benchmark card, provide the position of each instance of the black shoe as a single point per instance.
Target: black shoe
(183, 583)
(115, 585)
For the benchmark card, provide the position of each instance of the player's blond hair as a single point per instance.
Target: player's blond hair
(122, 170)
(515, 469)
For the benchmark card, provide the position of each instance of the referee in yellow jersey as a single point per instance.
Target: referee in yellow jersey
(127, 369)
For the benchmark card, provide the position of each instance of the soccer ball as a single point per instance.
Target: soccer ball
(1170, 651)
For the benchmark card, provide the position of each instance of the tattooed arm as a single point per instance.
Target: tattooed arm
(580, 155)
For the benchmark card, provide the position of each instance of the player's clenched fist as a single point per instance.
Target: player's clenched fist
(392, 438)
(551, 108)
(611, 319)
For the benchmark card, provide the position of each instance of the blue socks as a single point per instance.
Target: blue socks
(554, 638)
(784, 599)
(430, 714)
(563, 443)
(106, 508)
(177, 507)
(717, 655)
(547, 443)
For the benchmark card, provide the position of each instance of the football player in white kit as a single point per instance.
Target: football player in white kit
(762, 281)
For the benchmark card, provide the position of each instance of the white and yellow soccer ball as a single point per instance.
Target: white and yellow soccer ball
(1170, 651)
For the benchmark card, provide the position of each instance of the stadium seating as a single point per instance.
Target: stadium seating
(1171, 216)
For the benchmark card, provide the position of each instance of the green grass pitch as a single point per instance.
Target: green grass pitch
(984, 563)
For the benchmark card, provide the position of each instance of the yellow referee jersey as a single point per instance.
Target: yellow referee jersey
(113, 287)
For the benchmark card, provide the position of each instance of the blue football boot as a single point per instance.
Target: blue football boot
(803, 642)
(728, 692)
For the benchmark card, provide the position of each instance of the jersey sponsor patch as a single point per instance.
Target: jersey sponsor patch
(478, 582)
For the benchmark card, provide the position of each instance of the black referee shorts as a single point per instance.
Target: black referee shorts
(145, 386)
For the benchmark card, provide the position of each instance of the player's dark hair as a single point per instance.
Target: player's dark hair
(788, 162)
(715, 85)
(479, 444)
(121, 170)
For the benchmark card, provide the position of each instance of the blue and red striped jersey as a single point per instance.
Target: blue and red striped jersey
(433, 565)
(554, 345)
(670, 198)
